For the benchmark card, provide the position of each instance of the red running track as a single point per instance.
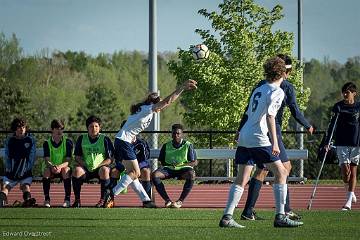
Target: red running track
(202, 196)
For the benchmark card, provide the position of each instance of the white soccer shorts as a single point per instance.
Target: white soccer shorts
(348, 155)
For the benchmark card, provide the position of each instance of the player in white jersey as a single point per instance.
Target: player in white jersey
(140, 118)
(254, 145)
(264, 101)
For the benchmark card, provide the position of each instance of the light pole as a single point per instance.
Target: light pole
(155, 123)
(299, 127)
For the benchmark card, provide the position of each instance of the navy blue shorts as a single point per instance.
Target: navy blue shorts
(124, 150)
(283, 156)
(178, 174)
(119, 166)
(144, 164)
(93, 174)
(257, 155)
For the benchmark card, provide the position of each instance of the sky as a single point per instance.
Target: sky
(330, 27)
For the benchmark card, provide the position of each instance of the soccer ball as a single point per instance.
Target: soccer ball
(200, 52)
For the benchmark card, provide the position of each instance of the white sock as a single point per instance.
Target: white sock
(140, 191)
(234, 197)
(122, 184)
(349, 196)
(280, 191)
(354, 200)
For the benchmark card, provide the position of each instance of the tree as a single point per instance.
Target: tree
(13, 103)
(326, 79)
(102, 102)
(241, 40)
(10, 52)
(77, 61)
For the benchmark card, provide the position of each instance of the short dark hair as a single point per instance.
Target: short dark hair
(349, 86)
(57, 124)
(274, 69)
(287, 60)
(177, 126)
(18, 122)
(92, 119)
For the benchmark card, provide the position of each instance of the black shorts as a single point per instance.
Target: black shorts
(170, 173)
(93, 174)
(59, 175)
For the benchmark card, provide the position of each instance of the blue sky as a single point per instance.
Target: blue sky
(330, 27)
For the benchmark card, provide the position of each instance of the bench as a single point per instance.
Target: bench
(229, 154)
(218, 154)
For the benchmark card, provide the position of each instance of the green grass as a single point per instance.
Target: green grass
(184, 224)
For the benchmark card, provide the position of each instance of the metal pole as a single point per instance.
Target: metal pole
(322, 163)
(152, 47)
(210, 146)
(300, 58)
(153, 87)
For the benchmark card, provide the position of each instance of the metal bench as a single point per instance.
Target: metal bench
(219, 154)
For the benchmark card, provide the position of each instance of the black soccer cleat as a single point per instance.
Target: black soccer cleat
(76, 204)
(100, 204)
(252, 217)
(149, 204)
(108, 197)
(28, 203)
(281, 220)
(3, 199)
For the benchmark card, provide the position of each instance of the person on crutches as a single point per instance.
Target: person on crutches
(345, 122)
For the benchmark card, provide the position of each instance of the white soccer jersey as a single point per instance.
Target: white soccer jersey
(136, 123)
(265, 100)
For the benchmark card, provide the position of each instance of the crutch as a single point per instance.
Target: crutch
(322, 163)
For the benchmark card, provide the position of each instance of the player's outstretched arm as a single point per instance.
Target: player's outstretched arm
(188, 85)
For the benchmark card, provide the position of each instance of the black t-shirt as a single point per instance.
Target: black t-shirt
(346, 131)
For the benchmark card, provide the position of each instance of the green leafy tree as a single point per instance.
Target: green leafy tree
(319, 77)
(326, 78)
(10, 52)
(13, 103)
(76, 60)
(102, 102)
(240, 42)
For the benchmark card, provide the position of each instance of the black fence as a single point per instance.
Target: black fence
(213, 139)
